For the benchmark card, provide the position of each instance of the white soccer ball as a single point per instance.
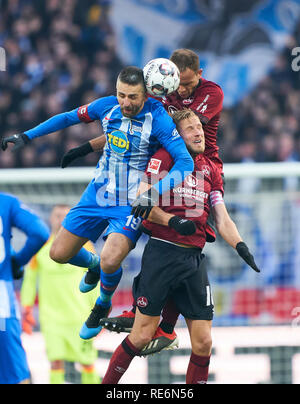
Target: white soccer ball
(161, 77)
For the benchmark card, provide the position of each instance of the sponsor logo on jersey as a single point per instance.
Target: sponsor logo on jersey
(118, 141)
(187, 101)
(142, 301)
(190, 193)
(154, 166)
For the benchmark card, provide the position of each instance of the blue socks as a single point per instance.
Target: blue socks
(108, 285)
(109, 282)
(86, 259)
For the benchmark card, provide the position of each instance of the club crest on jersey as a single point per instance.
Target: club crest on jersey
(118, 141)
(206, 170)
(135, 127)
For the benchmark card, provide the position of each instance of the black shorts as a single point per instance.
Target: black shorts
(170, 271)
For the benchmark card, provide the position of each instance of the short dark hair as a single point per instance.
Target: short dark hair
(185, 59)
(133, 76)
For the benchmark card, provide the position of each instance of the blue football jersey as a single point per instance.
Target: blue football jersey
(130, 144)
(14, 214)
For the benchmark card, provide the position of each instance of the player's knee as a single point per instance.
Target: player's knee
(57, 254)
(202, 345)
(109, 262)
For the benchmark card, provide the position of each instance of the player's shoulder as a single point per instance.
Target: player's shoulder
(160, 161)
(8, 199)
(155, 105)
(110, 100)
(163, 154)
(207, 165)
(207, 85)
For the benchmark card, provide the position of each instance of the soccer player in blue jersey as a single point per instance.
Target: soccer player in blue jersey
(135, 126)
(13, 363)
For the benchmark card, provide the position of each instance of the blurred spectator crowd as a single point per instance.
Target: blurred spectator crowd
(265, 125)
(62, 54)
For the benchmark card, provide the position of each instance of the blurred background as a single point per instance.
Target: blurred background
(63, 54)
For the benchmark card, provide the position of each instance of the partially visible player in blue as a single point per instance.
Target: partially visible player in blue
(13, 363)
(135, 126)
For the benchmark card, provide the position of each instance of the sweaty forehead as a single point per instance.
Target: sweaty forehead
(187, 76)
(190, 122)
(129, 89)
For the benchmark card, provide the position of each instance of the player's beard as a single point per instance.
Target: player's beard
(132, 111)
(195, 151)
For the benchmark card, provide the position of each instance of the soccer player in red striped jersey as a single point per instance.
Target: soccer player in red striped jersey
(173, 265)
(203, 97)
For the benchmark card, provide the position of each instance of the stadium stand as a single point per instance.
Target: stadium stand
(62, 54)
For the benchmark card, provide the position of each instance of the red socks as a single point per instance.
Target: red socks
(170, 313)
(120, 362)
(197, 372)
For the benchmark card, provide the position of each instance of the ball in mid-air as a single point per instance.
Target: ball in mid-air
(161, 77)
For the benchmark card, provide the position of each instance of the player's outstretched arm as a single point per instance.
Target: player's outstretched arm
(229, 232)
(94, 145)
(57, 122)
(18, 140)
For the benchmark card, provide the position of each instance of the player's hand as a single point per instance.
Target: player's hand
(17, 270)
(183, 226)
(244, 253)
(28, 321)
(19, 141)
(75, 153)
(143, 205)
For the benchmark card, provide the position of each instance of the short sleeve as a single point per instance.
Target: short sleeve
(210, 103)
(158, 166)
(94, 110)
(217, 180)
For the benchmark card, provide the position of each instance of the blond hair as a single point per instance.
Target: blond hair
(185, 113)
